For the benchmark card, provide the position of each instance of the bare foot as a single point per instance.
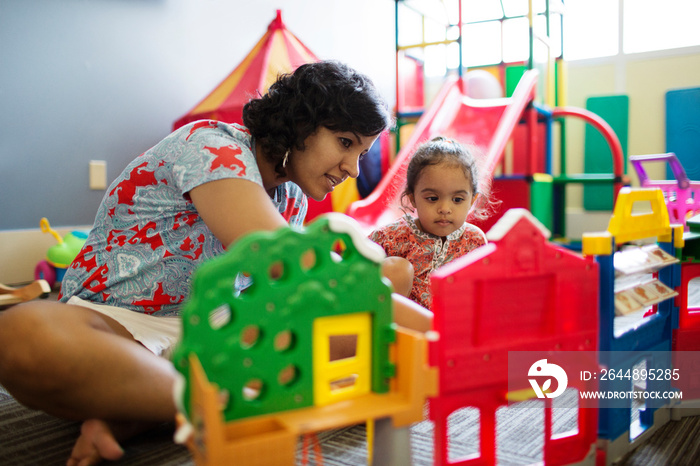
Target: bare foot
(96, 442)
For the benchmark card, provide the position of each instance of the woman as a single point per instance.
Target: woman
(96, 356)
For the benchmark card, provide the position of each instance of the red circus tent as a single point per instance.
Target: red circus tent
(277, 52)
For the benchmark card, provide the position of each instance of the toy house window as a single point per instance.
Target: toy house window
(565, 414)
(242, 284)
(638, 405)
(531, 424)
(463, 434)
(345, 373)
(694, 295)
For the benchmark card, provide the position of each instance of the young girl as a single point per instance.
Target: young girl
(96, 356)
(441, 186)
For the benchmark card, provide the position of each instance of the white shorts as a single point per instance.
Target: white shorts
(158, 334)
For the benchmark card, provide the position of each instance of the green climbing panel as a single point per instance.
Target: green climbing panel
(513, 75)
(614, 110)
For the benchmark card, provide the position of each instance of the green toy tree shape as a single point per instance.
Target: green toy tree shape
(250, 316)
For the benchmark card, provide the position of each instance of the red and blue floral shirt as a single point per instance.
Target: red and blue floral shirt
(426, 252)
(148, 238)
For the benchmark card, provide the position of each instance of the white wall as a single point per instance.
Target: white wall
(645, 78)
(85, 80)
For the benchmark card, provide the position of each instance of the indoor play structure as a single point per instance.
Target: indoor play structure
(269, 375)
(544, 53)
(681, 197)
(489, 125)
(479, 325)
(513, 135)
(629, 343)
(60, 255)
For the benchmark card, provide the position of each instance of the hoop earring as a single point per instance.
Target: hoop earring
(285, 159)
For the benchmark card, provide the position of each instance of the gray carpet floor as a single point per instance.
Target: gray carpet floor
(29, 437)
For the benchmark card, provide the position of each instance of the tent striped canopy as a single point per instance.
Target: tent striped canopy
(277, 52)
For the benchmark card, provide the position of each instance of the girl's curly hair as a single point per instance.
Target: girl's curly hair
(441, 150)
(326, 93)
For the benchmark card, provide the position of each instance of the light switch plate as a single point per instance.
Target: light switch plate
(98, 174)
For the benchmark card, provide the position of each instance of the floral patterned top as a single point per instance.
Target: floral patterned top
(425, 251)
(148, 238)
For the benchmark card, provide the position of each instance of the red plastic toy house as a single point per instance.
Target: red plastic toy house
(517, 293)
(686, 338)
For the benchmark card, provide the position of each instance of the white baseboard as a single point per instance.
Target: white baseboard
(22, 250)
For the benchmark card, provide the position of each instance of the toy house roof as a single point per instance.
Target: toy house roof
(511, 218)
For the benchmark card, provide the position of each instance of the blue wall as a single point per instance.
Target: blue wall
(85, 80)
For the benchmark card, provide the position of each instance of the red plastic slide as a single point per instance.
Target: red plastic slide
(486, 124)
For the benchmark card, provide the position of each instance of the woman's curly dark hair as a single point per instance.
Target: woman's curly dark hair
(326, 93)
